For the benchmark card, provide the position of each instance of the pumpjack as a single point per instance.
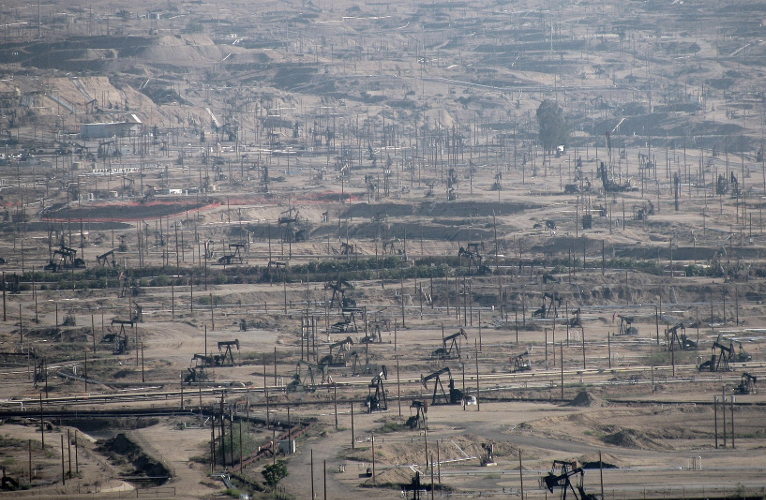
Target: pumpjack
(455, 396)
(339, 357)
(230, 258)
(67, 259)
(747, 384)
(520, 362)
(626, 325)
(195, 374)
(560, 478)
(418, 420)
(309, 382)
(719, 362)
(276, 268)
(674, 340)
(415, 487)
(107, 258)
(488, 458)
(611, 186)
(119, 340)
(225, 346)
(550, 302)
(450, 348)
(339, 288)
(204, 361)
(575, 321)
(375, 330)
(376, 401)
(471, 252)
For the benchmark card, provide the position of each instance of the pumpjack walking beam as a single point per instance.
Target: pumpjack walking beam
(226, 347)
(455, 396)
(450, 348)
(377, 401)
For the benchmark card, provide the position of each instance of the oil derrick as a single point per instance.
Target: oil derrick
(559, 478)
(747, 384)
(452, 184)
(520, 362)
(674, 341)
(225, 346)
(376, 393)
(626, 325)
(439, 396)
(338, 353)
(450, 348)
(677, 191)
(418, 420)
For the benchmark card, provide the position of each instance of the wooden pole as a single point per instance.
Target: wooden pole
(353, 438)
(561, 362)
(731, 407)
(398, 389)
(29, 460)
(63, 471)
(601, 472)
(478, 404)
(69, 450)
(42, 424)
(521, 476)
(715, 420)
(312, 475)
(372, 440)
(432, 476)
(335, 403)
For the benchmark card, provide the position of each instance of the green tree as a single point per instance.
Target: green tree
(554, 129)
(274, 473)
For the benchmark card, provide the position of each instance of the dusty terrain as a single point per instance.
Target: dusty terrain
(278, 177)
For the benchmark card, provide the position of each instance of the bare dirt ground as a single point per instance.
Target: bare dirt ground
(288, 175)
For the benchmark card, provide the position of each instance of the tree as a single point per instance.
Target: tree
(554, 129)
(274, 473)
